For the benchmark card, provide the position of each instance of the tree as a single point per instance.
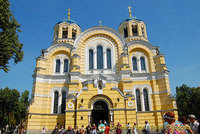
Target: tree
(13, 107)
(23, 104)
(8, 104)
(188, 100)
(10, 47)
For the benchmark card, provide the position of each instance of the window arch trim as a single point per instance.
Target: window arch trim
(149, 91)
(59, 90)
(138, 55)
(62, 59)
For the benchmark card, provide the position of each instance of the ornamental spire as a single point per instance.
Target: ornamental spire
(129, 8)
(68, 13)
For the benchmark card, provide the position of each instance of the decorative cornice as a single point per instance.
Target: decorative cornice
(156, 111)
(57, 45)
(76, 66)
(124, 55)
(141, 42)
(39, 95)
(159, 55)
(75, 73)
(125, 72)
(116, 88)
(51, 78)
(43, 114)
(76, 56)
(161, 92)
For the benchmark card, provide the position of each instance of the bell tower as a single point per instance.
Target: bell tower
(133, 28)
(66, 30)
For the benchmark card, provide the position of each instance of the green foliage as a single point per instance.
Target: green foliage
(188, 100)
(13, 107)
(10, 47)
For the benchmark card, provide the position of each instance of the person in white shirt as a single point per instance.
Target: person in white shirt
(193, 124)
(135, 129)
(147, 127)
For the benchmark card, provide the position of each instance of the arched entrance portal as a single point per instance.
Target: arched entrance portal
(100, 112)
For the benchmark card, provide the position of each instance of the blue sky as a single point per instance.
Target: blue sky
(173, 25)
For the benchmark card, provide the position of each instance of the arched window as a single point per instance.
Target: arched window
(138, 100)
(142, 30)
(99, 57)
(108, 51)
(74, 33)
(146, 100)
(57, 66)
(142, 61)
(90, 59)
(66, 65)
(134, 62)
(64, 32)
(63, 105)
(125, 32)
(55, 106)
(134, 29)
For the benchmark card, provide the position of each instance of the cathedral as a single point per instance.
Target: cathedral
(99, 74)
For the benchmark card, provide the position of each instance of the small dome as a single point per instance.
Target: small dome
(67, 20)
(130, 18)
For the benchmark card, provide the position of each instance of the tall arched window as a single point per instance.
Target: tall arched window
(66, 65)
(142, 61)
(91, 59)
(74, 33)
(57, 66)
(63, 105)
(99, 57)
(64, 32)
(134, 29)
(125, 32)
(108, 51)
(146, 100)
(138, 100)
(134, 62)
(55, 106)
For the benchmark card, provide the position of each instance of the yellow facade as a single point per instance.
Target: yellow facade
(99, 74)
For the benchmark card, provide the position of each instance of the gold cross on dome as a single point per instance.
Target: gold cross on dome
(100, 23)
(129, 8)
(68, 13)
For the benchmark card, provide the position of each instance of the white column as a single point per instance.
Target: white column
(139, 64)
(89, 117)
(61, 66)
(59, 101)
(52, 101)
(142, 100)
(111, 115)
(105, 60)
(95, 60)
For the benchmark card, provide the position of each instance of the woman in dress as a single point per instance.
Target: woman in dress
(172, 126)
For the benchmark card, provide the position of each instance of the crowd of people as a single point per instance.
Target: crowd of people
(171, 126)
(182, 126)
(113, 129)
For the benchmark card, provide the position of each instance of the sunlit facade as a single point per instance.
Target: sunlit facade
(99, 74)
